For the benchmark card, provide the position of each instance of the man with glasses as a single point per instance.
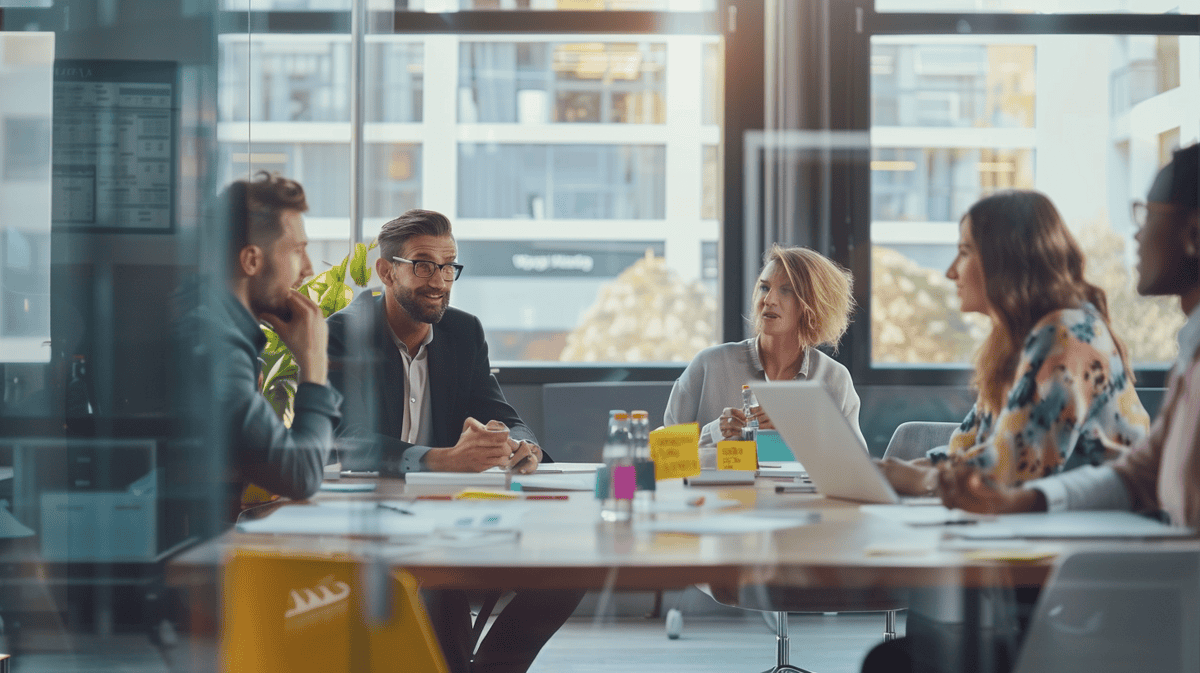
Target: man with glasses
(420, 395)
(420, 391)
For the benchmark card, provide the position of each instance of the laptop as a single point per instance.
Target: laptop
(823, 441)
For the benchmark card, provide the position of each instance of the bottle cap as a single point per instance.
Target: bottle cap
(639, 414)
(620, 415)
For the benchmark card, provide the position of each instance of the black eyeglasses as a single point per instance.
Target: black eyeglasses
(1140, 212)
(424, 268)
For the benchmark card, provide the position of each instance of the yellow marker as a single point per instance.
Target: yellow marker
(737, 455)
(485, 495)
(676, 451)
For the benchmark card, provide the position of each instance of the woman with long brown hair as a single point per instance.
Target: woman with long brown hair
(1055, 386)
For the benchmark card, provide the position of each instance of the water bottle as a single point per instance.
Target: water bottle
(618, 460)
(749, 404)
(639, 432)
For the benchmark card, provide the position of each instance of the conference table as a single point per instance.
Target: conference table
(837, 549)
(562, 543)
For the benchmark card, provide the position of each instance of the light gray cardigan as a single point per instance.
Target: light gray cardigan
(714, 379)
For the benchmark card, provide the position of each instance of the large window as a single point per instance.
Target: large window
(1086, 119)
(574, 170)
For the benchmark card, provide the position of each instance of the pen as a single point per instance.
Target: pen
(948, 522)
(546, 497)
(393, 508)
(798, 488)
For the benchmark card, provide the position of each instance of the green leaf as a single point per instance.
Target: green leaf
(337, 274)
(359, 270)
(336, 298)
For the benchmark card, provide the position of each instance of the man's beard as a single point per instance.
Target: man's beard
(262, 297)
(408, 301)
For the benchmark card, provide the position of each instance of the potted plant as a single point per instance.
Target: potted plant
(329, 289)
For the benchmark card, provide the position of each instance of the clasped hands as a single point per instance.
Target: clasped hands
(481, 447)
(960, 486)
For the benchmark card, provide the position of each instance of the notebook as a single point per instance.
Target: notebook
(819, 435)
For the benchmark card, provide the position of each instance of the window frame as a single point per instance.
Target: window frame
(869, 23)
(554, 23)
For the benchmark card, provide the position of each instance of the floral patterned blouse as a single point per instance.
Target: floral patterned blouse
(1071, 404)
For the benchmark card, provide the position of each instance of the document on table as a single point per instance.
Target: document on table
(341, 518)
(1070, 525)
(929, 515)
(392, 518)
(729, 524)
(787, 469)
(551, 477)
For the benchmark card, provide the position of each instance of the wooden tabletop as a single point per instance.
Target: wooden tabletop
(564, 543)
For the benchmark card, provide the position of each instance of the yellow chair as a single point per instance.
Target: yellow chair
(308, 612)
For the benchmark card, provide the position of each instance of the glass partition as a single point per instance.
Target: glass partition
(107, 186)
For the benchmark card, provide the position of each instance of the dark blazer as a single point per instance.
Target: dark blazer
(366, 367)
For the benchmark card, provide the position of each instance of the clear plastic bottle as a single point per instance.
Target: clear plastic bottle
(639, 432)
(617, 455)
(749, 405)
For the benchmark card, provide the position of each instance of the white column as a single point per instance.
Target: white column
(684, 154)
(439, 145)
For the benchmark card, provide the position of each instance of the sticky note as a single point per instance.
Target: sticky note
(732, 455)
(624, 482)
(676, 451)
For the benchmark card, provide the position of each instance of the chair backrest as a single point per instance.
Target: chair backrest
(310, 612)
(912, 439)
(575, 415)
(1136, 610)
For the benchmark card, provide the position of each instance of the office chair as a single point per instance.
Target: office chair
(309, 612)
(1118, 610)
(912, 439)
(780, 601)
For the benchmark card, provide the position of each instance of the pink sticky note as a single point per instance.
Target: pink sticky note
(624, 482)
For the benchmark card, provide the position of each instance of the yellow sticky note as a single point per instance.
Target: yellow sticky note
(676, 451)
(733, 455)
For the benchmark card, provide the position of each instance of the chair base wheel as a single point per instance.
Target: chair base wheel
(674, 623)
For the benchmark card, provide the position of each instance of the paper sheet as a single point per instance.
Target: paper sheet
(727, 524)
(345, 518)
(920, 516)
(1070, 525)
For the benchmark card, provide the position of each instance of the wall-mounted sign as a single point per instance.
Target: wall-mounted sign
(562, 259)
(114, 145)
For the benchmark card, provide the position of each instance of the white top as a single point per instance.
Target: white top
(714, 379)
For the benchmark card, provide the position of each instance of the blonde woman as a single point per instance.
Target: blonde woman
(802, 300)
